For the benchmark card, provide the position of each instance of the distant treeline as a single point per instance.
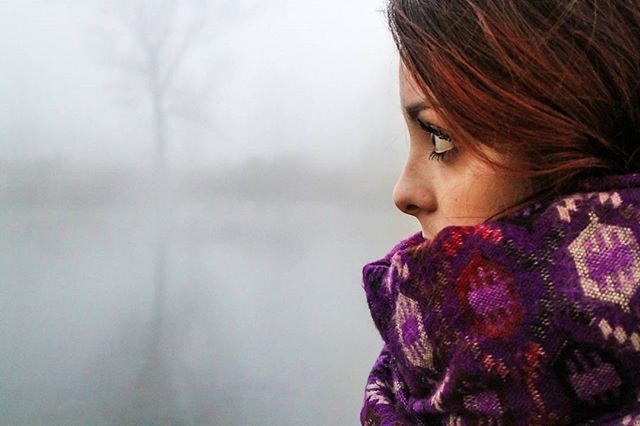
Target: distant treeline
(283, 179)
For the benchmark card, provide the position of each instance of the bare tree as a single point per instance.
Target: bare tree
(156, 44)
(152, 42)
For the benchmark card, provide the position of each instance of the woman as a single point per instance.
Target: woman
(518, 301)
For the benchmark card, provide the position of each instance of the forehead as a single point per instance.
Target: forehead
(409, 91)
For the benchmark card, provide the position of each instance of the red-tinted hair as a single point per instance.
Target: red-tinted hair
(554, 83)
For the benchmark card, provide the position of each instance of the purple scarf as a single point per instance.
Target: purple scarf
(531, 319)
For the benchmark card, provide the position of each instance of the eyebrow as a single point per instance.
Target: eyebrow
(414, 109)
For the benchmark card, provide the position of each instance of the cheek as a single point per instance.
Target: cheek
(473, 199)
(473, 191)
(458, 201)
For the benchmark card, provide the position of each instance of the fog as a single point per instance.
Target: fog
(188, 192)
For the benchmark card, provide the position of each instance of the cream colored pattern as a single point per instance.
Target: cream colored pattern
(567, 205)
(436, 400)
(401, 268)
(626, 281)
(374, 392)
(619, 334)
(613, 197)
(420, 352)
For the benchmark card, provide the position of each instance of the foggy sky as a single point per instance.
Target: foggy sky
(312, 77)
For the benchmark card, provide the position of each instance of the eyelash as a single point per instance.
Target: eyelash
(432, 130)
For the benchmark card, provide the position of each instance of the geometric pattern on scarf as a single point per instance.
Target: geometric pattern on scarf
(607, 258)
(532, 319)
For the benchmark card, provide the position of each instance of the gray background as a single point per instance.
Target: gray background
(216, 281)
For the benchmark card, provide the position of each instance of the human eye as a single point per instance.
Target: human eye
(441, 140)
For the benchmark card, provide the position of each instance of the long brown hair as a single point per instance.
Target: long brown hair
(552, 83)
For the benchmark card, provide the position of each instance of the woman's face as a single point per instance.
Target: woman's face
(444, 185)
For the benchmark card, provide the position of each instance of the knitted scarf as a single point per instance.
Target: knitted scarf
(532, 318)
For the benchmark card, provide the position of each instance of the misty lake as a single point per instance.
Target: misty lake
(175, 309)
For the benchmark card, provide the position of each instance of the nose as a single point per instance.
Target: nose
(413, 194)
